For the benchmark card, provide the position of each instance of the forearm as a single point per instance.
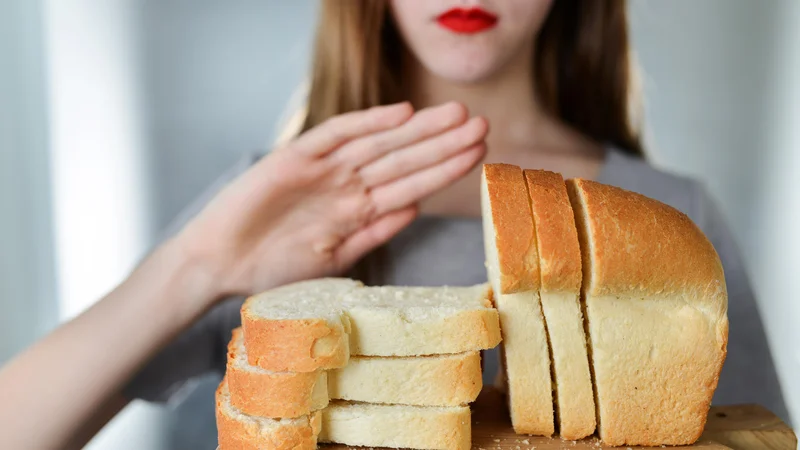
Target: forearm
(51, 390)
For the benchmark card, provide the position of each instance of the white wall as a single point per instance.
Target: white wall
(218, 76)
(98, 153)
(151, 100)
(27, 280)
(722, 102)
(776, 258)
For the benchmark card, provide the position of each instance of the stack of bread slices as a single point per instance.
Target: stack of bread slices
(613, 309)
(331, 360)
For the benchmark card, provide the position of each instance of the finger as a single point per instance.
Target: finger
(412, 188)
(375, 234)
(423, 125)
(424, 154)
(336, 131)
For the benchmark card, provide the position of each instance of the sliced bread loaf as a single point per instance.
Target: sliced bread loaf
(318, 324)
(512, 263)
(259, 392)
(395, 426)
(560, 269)
(441, 380)
(656, 305)
(239, 431)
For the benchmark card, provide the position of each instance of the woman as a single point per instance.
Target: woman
(395, 190)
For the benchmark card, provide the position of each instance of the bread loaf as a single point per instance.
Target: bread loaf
(656, 308)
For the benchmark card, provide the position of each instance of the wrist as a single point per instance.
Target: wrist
(194, 278)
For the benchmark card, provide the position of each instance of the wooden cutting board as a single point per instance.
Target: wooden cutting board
(745, 427)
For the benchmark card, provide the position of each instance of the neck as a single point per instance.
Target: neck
(518, 123)
(508, 100)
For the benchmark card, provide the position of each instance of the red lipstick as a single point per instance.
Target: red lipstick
(467, 21)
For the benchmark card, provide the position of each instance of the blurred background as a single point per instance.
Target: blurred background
(114, 114)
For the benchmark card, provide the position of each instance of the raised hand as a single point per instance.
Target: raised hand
(317, 205)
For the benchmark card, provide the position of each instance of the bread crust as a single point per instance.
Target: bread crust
(514, 234)
(642, 247)
(294, 345)
(556, 235)
(235, 434)
(656, 306)
(272, 394)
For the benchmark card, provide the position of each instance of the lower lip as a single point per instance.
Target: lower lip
(467, 23)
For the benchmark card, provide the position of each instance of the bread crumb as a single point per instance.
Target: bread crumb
(526, 442)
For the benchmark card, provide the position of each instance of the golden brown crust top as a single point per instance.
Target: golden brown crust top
(639, 246)
(515, 236)
(556, 236)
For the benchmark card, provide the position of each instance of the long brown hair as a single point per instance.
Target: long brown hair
(582, 68)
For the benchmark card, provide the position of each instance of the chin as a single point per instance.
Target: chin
(462, 69)
(466, 74)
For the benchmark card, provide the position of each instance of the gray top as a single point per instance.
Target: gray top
(437, 251)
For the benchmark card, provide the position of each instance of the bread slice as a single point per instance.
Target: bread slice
(258, 392)
(298, 327)
(318, 324)
(442, 380)
(512, 262)
(239, 431)
(395, 426)
(656, 305)
(418, 321)
(560, 269)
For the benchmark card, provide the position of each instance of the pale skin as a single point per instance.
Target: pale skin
(311, 208)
